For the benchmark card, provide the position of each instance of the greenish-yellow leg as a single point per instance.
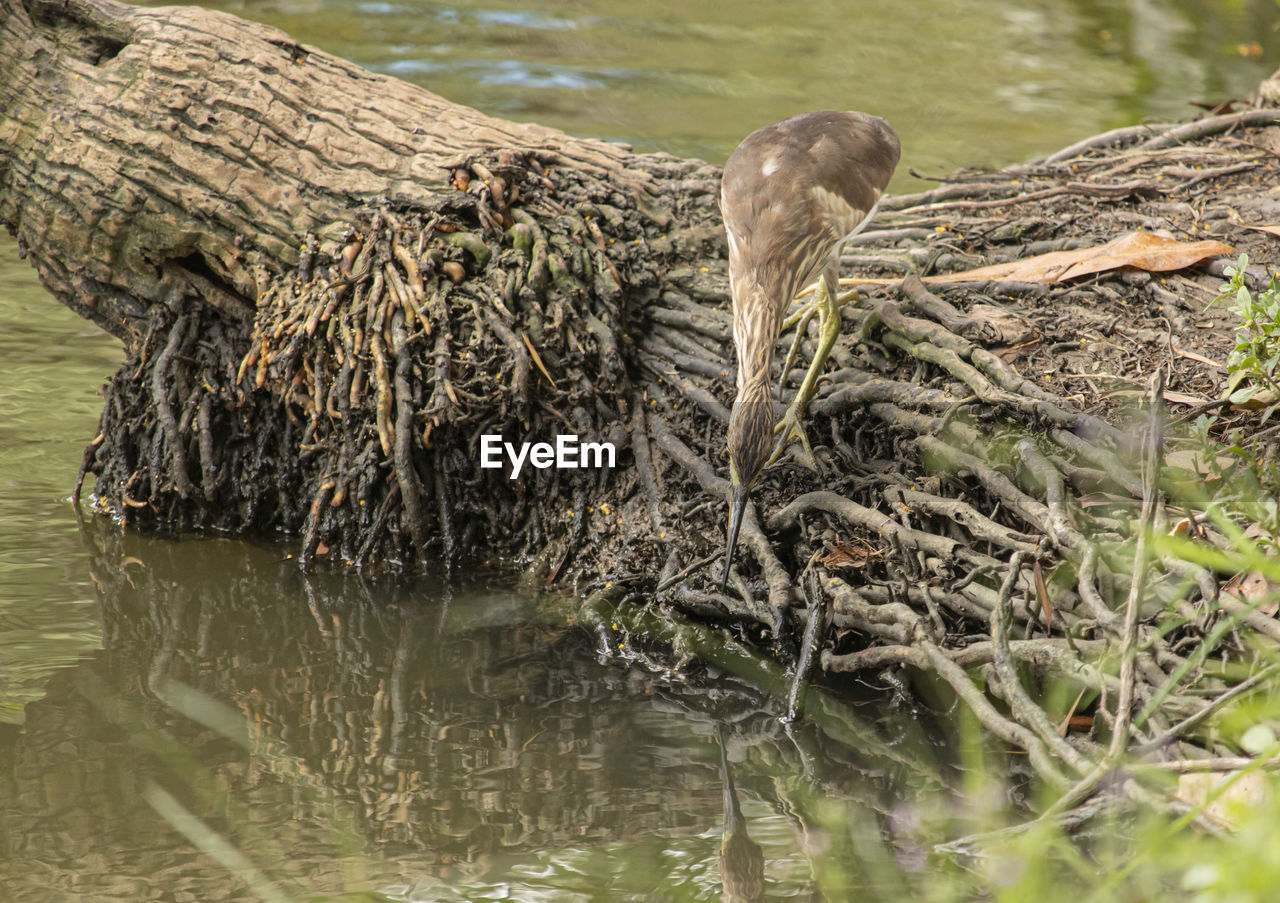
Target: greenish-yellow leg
(801, 324)
(790, 426)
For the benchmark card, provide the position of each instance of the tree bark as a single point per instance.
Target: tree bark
(182, 178)
(177, 156)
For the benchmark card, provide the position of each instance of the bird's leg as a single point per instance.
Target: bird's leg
(805, 316)
(790, 426)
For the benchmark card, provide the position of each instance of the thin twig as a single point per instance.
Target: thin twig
(813, 633)
(692, 568)
(1129, 641)
(1191, 721)
(1085, 787)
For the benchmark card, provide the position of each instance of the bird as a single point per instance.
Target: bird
(791, 194)
(741, 859)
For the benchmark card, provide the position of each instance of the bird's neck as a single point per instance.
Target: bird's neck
(755, 333)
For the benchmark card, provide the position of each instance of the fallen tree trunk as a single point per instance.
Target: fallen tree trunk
(331, 284)
(404, 272)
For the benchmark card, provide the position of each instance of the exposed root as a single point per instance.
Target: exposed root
(980, 483)
(934, 525)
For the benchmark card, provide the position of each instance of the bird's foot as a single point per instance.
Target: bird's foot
(790, 428)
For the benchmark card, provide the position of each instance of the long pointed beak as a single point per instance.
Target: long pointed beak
(737, 502)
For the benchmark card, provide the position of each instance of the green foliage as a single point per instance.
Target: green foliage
(1252, 365)
(1242, 479)
(972, 843)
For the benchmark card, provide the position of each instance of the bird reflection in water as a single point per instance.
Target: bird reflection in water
(741, 859)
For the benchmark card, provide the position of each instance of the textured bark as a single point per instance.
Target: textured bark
(191, 181)
(176, 156)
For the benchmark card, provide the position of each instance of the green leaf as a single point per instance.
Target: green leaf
(1258, 738)
(1244, 556)
(1240, 396)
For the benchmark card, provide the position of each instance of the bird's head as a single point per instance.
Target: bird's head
(750, 445)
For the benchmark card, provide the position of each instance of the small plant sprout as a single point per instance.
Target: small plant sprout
(1251, 367)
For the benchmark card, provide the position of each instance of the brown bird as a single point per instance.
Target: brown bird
(791, 194)
(741, 859)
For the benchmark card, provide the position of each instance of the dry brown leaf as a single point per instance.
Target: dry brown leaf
(1193, 459)
(1249, 790)
(1010, 353)
(1256, 531)
(1071, 721)
(1172, 397)
(1184, 459)
(1042, 590)
(846, 555)
(1096, 499)
(1217, 109)
(1263, 399)
(1192, 356)
(1143, 250)
(1079, 724)
(1184, 398)
(1262, 227)
(1249, 588)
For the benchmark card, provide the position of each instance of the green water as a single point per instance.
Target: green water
(965, 82)
(53, 365)
(346, 736)
(342, 736)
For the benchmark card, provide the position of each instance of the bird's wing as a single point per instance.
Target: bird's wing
(850, 158)
(792, 191)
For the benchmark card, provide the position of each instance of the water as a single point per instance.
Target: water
(54, 364)
(965, 82)
(318, 735)
(198, 720)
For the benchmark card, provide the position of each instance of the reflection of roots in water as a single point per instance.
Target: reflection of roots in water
(486, 733)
